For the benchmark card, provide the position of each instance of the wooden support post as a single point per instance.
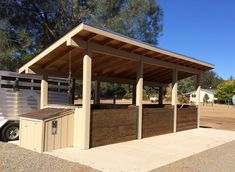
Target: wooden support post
(174, 97)
(97, 92)
(198, 90)
(133, 94)
(160, 96)
(84, 117)
(44, 91)
(139, 97)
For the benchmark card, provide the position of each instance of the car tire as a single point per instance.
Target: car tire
(10, 132)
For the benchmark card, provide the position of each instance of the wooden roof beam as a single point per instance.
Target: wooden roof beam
(66, 40)
(130, 56)
(40, 71)
(51, 48)
(76, 42)
(144, 45)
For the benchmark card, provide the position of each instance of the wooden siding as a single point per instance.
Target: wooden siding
(186, 118)
(157, 121)
(113, 125)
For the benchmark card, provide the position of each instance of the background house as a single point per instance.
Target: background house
(210, 93)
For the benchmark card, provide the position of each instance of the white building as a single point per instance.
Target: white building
(203, 92)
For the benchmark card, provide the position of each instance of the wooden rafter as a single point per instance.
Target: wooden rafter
(90, 37)
(157, 73)
(109, 63)
(55, 59)
(153, 71)
(125, 67)
(114, 67)
(75, 58)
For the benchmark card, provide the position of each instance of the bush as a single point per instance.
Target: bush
(206, 98)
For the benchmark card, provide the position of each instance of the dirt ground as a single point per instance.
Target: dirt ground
(218, 116)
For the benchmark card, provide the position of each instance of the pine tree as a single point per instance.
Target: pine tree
(28, 27)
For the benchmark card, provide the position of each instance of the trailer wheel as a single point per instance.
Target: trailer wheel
(10, 132)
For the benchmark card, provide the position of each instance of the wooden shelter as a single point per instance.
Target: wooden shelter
(94, 54)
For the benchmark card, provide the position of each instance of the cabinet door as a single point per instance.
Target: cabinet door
(37, 136)
(31, 135)
(23, 134)
(49, 138)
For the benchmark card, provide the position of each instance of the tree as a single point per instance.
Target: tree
(186, 85)
(206, 98)
(209, 80)
(30, 26)
(13, 46)
(183, 100)
(226, 90)
(231, 78)
(109, 90)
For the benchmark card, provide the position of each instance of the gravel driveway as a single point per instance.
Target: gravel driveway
(218, 159)
(15, 159)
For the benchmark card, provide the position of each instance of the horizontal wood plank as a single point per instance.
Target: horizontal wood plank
(157, 121)
(112, 126)
(186, 118)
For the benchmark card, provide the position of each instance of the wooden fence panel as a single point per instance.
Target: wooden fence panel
(157, 121)
(112, 126)
(186, 118)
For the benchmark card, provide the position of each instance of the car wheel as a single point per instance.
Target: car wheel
(10, 132)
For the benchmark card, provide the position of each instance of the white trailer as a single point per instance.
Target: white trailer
(19, 94)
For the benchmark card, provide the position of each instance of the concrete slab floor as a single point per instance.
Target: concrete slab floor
(149, 153)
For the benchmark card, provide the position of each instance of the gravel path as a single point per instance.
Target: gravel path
(15, 159)
(218, 159)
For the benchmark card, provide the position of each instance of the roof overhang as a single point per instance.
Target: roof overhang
(113, 56)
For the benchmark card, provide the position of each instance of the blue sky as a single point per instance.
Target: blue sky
(203, 29)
